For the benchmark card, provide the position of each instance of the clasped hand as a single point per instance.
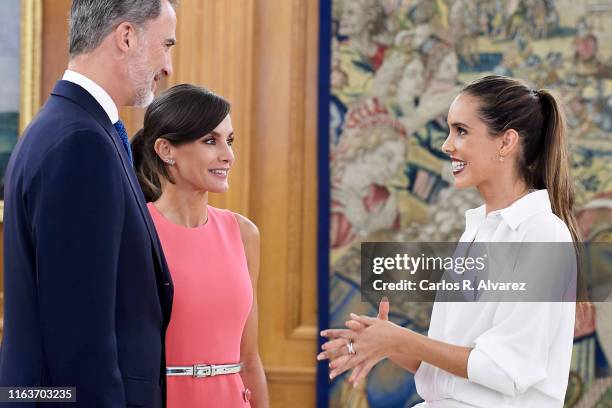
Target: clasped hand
(373, 339)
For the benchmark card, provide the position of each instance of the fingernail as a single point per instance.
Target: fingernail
(384, 299)
(320, 357)
(331, 376)
(354, 316)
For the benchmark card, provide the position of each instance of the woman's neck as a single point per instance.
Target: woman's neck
(502, 195)
(186, 208)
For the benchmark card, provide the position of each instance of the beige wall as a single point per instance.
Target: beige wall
(262, 56)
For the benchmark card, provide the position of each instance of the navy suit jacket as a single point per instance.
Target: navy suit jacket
(88, 295)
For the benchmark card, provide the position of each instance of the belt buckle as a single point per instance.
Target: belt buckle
(202, 370)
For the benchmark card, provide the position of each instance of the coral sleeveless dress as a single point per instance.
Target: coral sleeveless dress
(212, 300)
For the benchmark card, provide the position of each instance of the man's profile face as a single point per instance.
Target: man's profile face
(152, 61)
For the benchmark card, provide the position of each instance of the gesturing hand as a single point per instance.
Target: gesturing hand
(361, 371)
(372, 339)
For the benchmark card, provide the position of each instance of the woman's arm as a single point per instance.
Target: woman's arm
(406, 362)
(413, 346)
(252, 374)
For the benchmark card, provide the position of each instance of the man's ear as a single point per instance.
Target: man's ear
(510, 142)
(125, 37)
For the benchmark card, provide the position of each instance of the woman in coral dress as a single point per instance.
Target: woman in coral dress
(183, 153)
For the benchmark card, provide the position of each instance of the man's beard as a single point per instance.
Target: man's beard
(141, 79)
(144, 95)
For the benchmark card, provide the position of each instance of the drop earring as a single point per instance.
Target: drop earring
(500, 157)
(170, 161)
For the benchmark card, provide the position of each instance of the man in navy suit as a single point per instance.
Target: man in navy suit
(87, 292)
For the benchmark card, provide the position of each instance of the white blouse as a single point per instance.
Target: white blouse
(521, 351)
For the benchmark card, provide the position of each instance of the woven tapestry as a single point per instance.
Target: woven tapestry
(391, 69)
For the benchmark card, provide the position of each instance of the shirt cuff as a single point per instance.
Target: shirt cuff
(484, 371)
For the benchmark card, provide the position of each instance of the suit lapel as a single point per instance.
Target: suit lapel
(84, 99)
(129, 172)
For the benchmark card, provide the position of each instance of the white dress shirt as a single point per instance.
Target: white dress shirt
(521, 351)
(95, 90)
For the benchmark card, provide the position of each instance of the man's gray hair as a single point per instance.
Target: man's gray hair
(92, 20)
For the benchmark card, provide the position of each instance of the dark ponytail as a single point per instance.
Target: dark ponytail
(182, 114)
(144, 164)
(554, 167)
(553, 164)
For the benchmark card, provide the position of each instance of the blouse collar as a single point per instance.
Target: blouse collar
(515, 214)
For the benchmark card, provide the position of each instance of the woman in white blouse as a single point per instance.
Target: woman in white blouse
(508, 141)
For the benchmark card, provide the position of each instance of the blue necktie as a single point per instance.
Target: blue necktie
(124, 138)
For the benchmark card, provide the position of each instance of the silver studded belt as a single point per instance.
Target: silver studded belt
(203, 370)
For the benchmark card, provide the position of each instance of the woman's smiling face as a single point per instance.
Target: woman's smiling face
(204, 164)
(472, 149)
